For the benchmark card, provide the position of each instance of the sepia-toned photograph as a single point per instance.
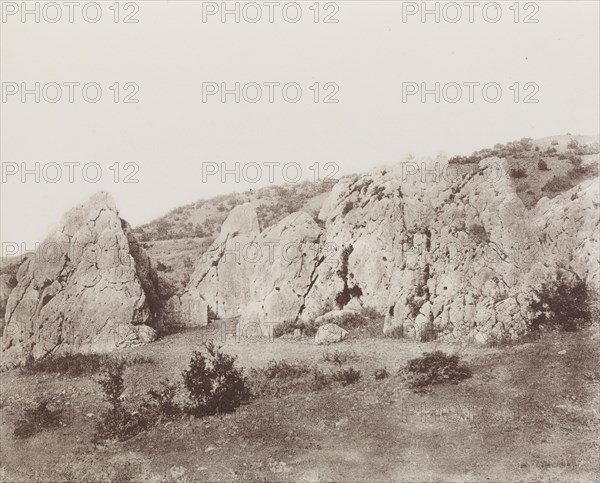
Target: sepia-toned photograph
(300, 241)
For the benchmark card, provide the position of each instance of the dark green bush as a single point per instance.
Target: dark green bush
(561, 304)
(117, 422)
(381, 374)
(161, 402)
(286, 370)
(347, 208)
(339, 358)
(214, 384)
(346, 376)
(558, 184)
(279, 378)
(518, 173)
(434, 368)
(542, 165)
(478, 232)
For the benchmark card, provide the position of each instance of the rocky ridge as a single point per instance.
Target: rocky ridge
(452, 257)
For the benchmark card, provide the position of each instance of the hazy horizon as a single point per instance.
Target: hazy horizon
(170, 132)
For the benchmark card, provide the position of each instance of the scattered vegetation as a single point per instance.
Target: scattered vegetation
(347, 293)
(367, 322)
(289, 325)
(204, 218)
(434, 368)
(340, 358)
(347, 208)
(37, 419)
(511, 149)
(118, 422)
(213, 385)
(161, 403)
(562, 304)
(396, 333)
(286, 370)
(558, 184)
(518, 173)
(211, 315)
(213, 382)
(478, 232)
(381, 374)
(346, 376)
(76, 365)
(279, 378)
(543, 166)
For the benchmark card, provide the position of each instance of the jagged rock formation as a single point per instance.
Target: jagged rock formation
(456, 256)
(89, 287)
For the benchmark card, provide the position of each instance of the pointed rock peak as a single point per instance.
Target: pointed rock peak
(89, 287)
(242, 220)
(101, 200)
(89, 211)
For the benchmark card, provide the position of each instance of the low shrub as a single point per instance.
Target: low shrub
(346, 376)
(478, 232)
(381, 374)
(279, 378)
(558, 184)
(347, 208)
(77, 365)
(117, 422)
(211, 315)
(434, 368)
(161, 402)
(213, 382)
(288, 326)
(518, 173)
(339, 358)
(562, 304)
(396, 333)
(286, 370)
(543, 166)
(37, 419)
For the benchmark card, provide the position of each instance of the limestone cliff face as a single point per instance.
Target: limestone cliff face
(88, 287)
(569, 228)
(453, 257)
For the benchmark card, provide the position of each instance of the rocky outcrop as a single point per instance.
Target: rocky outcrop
(569, 227)
(88, 288)
(262, 277)
(445, 255)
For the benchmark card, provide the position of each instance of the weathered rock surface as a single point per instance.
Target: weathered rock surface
(262, 277)
(330, 334)
(454, 256)
(88, 288)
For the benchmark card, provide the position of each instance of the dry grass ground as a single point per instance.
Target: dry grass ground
(529, 413)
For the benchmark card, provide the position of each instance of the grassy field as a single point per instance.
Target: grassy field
(528, 413)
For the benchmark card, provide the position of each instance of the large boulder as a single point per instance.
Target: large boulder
(330, 334)
(89, 287)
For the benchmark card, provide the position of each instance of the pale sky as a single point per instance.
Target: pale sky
(369, 53)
